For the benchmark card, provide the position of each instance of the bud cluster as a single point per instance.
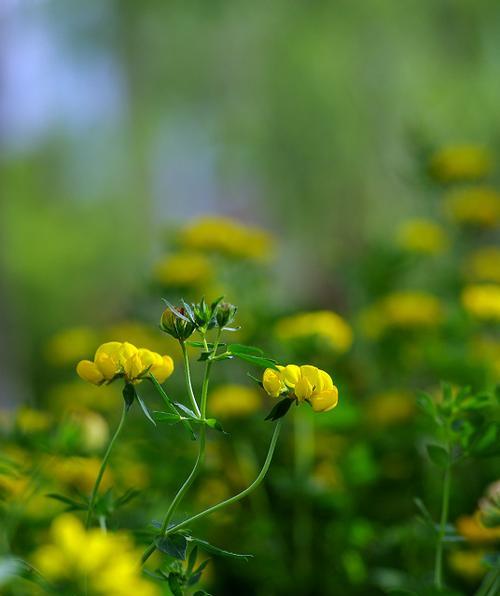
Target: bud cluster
(182, 321)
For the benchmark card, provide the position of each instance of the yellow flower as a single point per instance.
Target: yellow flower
(227, 236)
(29, 420)
(482, 301)
(327, 325)
(63, 396)
(422, 236)
(102, 564)
(187, 269)
(461, 162)
(114, 359)
(402, 310)
(392, 407)
(475, 206)
(484, 264)
(303, 383)
(70, 345)
(77, 472)
(471, 528)
(468, 563)
(234, 400)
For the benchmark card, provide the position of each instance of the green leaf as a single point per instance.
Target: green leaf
(426, 403)
(210, 548)
(242, 349)
(424, 511)
(129, 395)
(127, 496)
(174, 584)
(438, 455)
(186, 410)
(280, 409)
(488, 443)
(174, 545)
(215, 424)
(195, 577)
(167, 417)
(258, 360)
(72, 505)
(144, 409)
(201, 344)
(192, 560)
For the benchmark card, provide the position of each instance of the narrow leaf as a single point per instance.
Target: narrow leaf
(174, 545)
(144, 409)
(280, 409)
(242, 349)
(210, 548)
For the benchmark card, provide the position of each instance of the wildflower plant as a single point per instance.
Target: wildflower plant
(200, 327)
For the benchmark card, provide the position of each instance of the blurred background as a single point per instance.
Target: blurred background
(319, 127)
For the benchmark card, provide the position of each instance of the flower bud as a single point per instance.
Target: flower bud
(175, 323)
(225, 314)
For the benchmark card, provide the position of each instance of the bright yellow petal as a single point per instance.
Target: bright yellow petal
(326, 382)
(271, 382)
(312, 374)
(325, 400)
(303, 389)
(164, 370)
(290, 375)
(88, 371)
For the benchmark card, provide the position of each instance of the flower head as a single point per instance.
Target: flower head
(185, 270)
(474, 206)
(302, 383)
(226, 236)
(234, 401)
(106, 563)
(422, 236)
(461, 162)
(326, 325)
(484, 264)
(116, 359)
(482, 301)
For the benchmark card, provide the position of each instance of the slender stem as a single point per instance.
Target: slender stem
(168, 403)
(489, 582)
(104, 462)
(152, 547)
(438, 568)
(189, 384)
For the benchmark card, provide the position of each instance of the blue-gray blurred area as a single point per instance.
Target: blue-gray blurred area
(120, 118)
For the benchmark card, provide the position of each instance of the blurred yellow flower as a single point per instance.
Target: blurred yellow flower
(471, 528)
(29, 420)
(114, 359)
(227, 236)
(475, 206)
(422, 236)
(402, 310)
(484, 264)
(64, 396)
(482, 301)
(92, 428)
(468, 563)
(303, 383)
(91, 561)
(234, 401)
(461, 162)
(70, 345)
(187, 269)
(388, 408)
(327, 325)
(77, 472)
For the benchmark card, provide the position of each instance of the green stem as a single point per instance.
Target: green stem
(438, 568)
(488, 583)
(152, 547)
(189, 384)
(104, 463)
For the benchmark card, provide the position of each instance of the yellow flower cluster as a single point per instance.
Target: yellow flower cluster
(116, 359)
(482, 301)
(185, 269)
(227, 236)
(69, 345)
(422, 236)
(474, 206)
(471, 528)
(94, 562)
(484, 264)
(234, 401)
(324, 324)
(303, 383)
(461, 162)
(402, 310)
